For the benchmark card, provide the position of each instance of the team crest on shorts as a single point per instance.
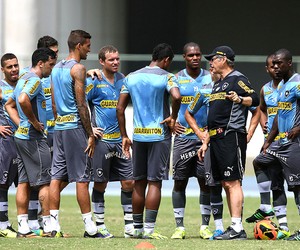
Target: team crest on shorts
(99, 172)
(5, 176)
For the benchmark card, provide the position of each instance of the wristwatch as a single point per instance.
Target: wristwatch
(242, 99)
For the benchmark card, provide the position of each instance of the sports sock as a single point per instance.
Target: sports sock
(3, 208)
(23, 227)
(216, 200)
(138, 221)
(33, 209)
(179, 201)
(264, 187)
(54, 219)
(205, 208)
(46, 223)
(150, 219)
(126, 202)
(89, 224)
(99, 207)
(279, 204)
(236, 224)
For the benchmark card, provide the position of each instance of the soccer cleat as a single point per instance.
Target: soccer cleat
(283, 234)
(179, 233)
(154, 235)
(260, 215)
(295, 236)
(105, 233)
(231, 234)
(9, 232)
(205, 233)
(56, 234)
(27, 235)
(96, 235)
(216, 233)
(138, 233)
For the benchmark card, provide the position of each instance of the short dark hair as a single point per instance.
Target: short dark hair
(268, 57)
(162, 51)
(287, 54)
(42, 54)
(77, 36)
(46, 42)
(7, 56)
(106, 49)
(190, 44)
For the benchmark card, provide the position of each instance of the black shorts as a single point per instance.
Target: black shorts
(185, 159)
(288, 155)
(228, 155)
(151, 160)
(274, 169)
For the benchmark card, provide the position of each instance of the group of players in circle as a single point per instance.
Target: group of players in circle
(60, 123)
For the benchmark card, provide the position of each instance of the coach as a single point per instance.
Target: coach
(231, 96)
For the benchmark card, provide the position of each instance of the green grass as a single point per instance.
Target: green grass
(72, 224)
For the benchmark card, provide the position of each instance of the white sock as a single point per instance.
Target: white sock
(89, 224)
(47, 223)
(219, 224)
(236, 224)
(33, 224)
(23, 226)
(3, 225)
(54, 218)
(149, 227)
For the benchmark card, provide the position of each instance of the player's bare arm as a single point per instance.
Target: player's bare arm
(78, 73)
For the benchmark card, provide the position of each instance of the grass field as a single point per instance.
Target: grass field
(72, 224)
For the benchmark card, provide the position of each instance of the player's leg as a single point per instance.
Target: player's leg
(205, 209)
(33, 210)
(184, 166)
(179, 202)
(138, 205)
(279, 200)
(126, 202)
(8, 175)
(158, 168)
(99, 208)
(296, 235)
(122, 171)
(261, 165)
(152, 203)
(216, 199)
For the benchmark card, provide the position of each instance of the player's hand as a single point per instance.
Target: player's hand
(233, 96)
(5, 131)
(203, 135)
(249, 136)
(178, 129)
(98, 132)
(90, 149)
(94, 73)
(126, 145)
(39, 126)
(294, 133)
(170, 121)
(201, 151)
(265, 146)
